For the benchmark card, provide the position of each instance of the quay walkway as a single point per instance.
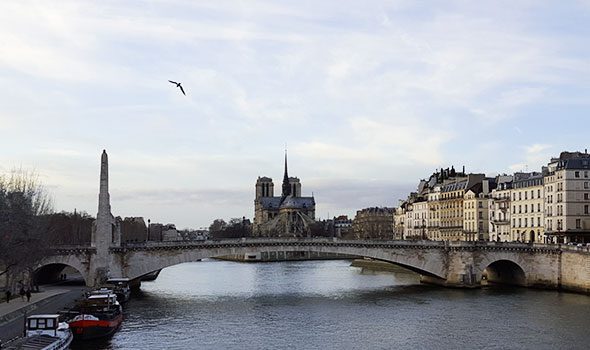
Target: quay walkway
(17, 307)
(50, 300)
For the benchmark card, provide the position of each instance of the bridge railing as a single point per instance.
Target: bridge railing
(288, 241)
(340, 242)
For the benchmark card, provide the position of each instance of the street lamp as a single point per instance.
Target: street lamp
(423, 228)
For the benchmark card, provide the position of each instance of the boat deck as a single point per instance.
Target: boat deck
(37, 342)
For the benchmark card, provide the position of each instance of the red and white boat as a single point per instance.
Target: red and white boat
(100, 315)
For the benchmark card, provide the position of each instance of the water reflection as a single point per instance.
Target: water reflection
(328, 304)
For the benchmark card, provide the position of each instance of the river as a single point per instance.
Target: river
(330, 305)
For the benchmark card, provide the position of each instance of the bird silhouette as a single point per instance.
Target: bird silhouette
(178, 85)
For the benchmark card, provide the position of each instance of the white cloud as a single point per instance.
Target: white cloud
(535, 156)
(382, 90)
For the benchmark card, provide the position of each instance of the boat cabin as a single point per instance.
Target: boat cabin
(120, 281)
(44, 325)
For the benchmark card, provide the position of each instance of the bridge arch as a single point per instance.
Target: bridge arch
(505, 271)
(144, 260)
(48, 269)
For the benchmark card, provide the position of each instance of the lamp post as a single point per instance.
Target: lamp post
(423, 228)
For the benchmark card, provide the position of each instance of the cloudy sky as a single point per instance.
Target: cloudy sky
(369, 96)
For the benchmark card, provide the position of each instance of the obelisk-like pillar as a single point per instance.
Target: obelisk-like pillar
(104, 233)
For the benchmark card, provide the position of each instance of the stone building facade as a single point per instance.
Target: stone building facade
(452, 208)
(373, 223)
(287, 215)
(399, 220)
(476, 211)
(433, 197)
(567, 198)
(420, 219)
(499, 209)
(528, 207)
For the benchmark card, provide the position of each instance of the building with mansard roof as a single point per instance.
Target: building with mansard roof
(287, 215)
(567, 198)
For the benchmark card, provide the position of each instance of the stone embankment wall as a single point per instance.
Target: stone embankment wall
(270, 256)
(575, 270)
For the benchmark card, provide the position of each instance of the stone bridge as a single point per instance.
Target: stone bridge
(456, 264)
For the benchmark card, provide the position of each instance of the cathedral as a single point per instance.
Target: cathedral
(289, 215)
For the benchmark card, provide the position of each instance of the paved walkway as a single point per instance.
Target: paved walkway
(16, 307)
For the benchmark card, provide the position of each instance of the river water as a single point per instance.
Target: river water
(330, 305)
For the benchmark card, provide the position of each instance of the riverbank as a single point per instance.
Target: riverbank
(378, 265)
(50, 300)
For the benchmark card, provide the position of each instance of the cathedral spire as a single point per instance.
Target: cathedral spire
(286, 185)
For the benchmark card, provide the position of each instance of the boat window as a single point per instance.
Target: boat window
(41, 323)
(50, 323)
(33, 323)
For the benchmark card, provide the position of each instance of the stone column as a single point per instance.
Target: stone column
(104, 233)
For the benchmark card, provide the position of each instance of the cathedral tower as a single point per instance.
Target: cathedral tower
(286, 183)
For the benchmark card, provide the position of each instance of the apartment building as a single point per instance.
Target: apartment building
(567, 198)
(528, 218)
(476, 211)
(499, 209)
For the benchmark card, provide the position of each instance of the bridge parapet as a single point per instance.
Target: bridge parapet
(68, 250)
(257, 242)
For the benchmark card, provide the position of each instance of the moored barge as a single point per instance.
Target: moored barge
(100, 315)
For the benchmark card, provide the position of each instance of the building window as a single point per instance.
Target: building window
(525, 195)
(586, 185)
(539, 207)
(539, 193)
(577, 174)
(578, 223)
(519, 195)
(532, 194)
(519, 208)
(586, 173)
(586, 209)
(526, 222)
(519, 222)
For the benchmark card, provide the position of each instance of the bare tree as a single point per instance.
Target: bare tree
(24, 205)
(217, 225)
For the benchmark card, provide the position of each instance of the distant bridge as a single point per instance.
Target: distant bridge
(456, 264)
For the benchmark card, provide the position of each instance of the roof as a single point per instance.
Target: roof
(44, 316)
(270, 202)
(575, 163)
(454, 186)
(289, 202)
(298, 202)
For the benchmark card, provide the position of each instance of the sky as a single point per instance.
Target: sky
(367, 96)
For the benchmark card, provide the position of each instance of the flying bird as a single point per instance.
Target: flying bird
(178, 85)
